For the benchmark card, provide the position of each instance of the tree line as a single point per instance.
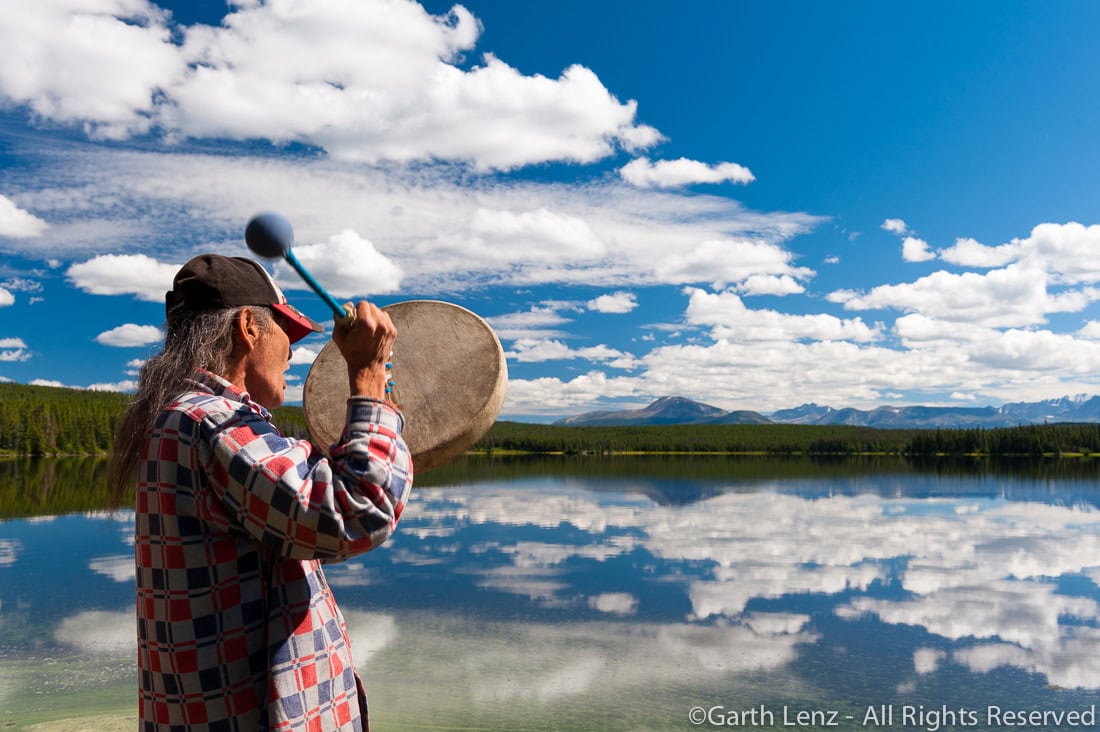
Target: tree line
(48, 420)
(41, 420)
(789, 439)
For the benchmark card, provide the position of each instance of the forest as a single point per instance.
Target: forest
(42, 420)
(787, 439)
(48, 420)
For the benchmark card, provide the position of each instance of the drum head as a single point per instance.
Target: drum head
(450, 374)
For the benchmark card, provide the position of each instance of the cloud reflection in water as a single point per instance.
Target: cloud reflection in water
(959, 568)
(498, 597)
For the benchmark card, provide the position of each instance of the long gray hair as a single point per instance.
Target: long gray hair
(203, 341)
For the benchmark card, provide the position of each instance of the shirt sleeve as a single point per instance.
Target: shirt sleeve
(299, 504)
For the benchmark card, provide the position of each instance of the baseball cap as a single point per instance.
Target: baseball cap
(212, 282)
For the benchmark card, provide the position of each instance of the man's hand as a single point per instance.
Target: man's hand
(366, 346)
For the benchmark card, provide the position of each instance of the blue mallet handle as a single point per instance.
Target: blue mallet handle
(337, 309)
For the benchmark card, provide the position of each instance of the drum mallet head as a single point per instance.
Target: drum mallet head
(270, 236)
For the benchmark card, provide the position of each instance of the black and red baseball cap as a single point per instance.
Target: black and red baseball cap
(213, 282)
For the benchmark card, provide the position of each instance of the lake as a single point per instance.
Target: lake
(644, 593)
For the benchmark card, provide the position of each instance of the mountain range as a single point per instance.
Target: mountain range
(678, 410)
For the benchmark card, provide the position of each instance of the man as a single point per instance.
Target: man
(237, 627)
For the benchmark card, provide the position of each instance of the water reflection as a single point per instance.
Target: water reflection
(620, 602)
(978, 568)
(9, 551)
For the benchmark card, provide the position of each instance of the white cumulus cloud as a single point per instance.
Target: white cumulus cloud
(347, 264)
(1067, 252)
(13, 350)
(303, 355)
(294, 393)
(130, 335)
(770, 285)
(124, 274)
(674, 173)
(728, 260)
(366, 80)
(1016, 295)
(916, 250)
(133, 366)
(970, 253)
(615, 302)
(1090, 331)
(552, 395)
(92, 62)
(1064, 251)
(532, 350)
(897, 226)
(15, 222)
(726, 313)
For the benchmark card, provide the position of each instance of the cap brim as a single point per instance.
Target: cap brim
(297, 325)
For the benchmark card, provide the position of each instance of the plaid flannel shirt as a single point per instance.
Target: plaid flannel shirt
(237, 627)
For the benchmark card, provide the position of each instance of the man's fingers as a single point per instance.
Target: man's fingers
(375, 319)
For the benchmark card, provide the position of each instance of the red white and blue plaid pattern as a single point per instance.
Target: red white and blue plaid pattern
(237, 627)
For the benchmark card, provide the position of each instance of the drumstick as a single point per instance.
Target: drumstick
(269, 235)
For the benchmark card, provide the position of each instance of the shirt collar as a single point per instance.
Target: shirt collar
(208, 381)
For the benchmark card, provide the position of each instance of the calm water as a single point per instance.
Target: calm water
(623, 594)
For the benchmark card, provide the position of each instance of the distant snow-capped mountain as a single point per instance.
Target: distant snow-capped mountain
(678, 410)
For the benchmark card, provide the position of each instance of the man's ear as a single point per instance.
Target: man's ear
(246, 330)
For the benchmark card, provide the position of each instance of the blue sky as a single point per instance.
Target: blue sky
(751, 204)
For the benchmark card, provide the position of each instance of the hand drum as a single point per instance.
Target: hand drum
(450, 374)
